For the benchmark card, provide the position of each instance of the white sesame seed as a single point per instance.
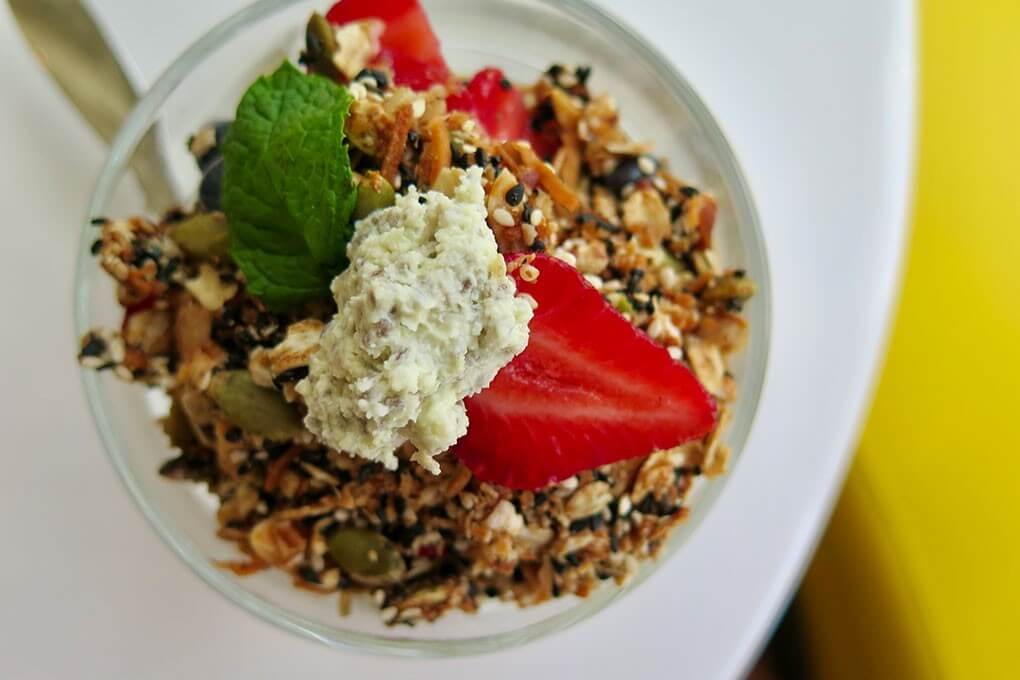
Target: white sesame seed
(594, 280)
(357, 90)
(646, 165)
(396, 182)
(371, 82)
(469, 148)
(675, 352)
(116, 349)
(529, 100)
(503, 217)
(583, 131)
(389, 614)
(566, 256)
(418, 108)
(468, 125)
(624, 508)
(536, 217)
(529, 233)
(379, 596)
(660, 184)
(570, 483)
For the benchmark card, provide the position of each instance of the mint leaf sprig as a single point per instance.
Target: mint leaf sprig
(288, 190)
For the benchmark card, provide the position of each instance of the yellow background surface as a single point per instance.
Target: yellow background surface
(919, 573)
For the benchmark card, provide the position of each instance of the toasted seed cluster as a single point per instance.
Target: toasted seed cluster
(419, 544)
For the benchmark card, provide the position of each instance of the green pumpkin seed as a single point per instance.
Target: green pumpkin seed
(254, 409)
(320, 46)
(374, 193)
(203, 236)
(366, 555)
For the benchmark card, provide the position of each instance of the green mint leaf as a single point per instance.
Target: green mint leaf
(281, 281)
(288, 190)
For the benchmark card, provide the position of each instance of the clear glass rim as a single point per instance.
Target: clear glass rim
(122, 148)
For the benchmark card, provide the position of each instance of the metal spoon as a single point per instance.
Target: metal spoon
(70, 46)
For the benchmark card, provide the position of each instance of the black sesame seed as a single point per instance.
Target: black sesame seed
(480, 157)
(634, 280)
(277, 450)
(602, 575)
(538, 246)
(554, 71)
(595, 522)
(95, 347)
(573, 560)
(169, 269)
(96, 246)
(648, 505)
(423, 200)
(689, 192)
(614, 542)
(366, 471)
(526, 215)
(233, 434)
(558, 566)
(98, 221)
(518, 575)
(505, 85)
(583, 73)
(739, 273)
(555, 590)
(382, 81)
(515, 195)
(492, 591)
(676, 212)
(413, 139)
(540, 497)
(308, 574)
(579, 525)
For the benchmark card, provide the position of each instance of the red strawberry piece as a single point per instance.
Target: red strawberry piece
(408, 42)
(495, 102)
(588, 390)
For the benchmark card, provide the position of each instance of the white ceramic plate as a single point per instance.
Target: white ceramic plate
(818, 103)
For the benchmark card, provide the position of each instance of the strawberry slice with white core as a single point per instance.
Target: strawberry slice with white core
(589, 389)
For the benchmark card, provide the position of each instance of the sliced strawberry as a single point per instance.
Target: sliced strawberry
(408, 43)
(588, 390)
(495, 102)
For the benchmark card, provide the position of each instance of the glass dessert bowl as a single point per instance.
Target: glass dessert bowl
(522, 37)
